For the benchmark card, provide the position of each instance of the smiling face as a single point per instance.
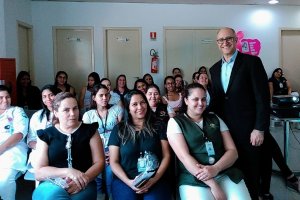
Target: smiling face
(141, 87)
(48, 98)
(102, 97)
(121, 82)
(137, 107)
(170, 85)
(5, 101)
(203, 80)
(68, 112)
(196, 102)
(227, 40)
(153, 96)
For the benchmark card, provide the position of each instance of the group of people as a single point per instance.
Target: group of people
(218, 130)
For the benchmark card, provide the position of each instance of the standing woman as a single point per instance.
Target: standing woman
(206, 152)
(61, 82)
(172, 98)
(13, 149)
(85, 98)
(107, 117)
(70, 154)
(28, 96)
(121, 86)
(41, 119)
(139, 132)
(161, 111)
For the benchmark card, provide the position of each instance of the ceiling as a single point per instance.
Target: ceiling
(215, 2)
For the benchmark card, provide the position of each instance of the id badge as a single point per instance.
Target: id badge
(210, 152)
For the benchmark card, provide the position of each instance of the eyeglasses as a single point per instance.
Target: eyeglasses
(227, 39)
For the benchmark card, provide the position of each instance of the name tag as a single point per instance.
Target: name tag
(210, 152)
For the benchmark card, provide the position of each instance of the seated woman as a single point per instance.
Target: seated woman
(114, 97)
(172, 98)
(140, 85)
(195, 77)
(177, 71)
(69, 154)
(204, 81)
(161, 111)
(61, 82)
(278, 85)
(202, 70)
(129, 141)
(107, 117)
(85, 98)
(41, 119)
(121, 86)
(148, 78)
(179, 85)
(28, 96)
(206, 152)
(13, 149)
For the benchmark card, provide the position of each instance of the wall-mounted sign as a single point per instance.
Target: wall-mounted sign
(247, 46)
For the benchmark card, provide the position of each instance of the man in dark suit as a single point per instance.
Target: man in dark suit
(241, 99)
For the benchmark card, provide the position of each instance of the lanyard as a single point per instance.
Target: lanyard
(203, 132)
(103, 124)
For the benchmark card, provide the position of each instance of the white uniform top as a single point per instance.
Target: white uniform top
(108, 124)
(14, 120)
(36, 124)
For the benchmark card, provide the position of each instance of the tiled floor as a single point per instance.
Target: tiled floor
(278, 187)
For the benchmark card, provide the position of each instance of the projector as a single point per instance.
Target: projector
(285, 100)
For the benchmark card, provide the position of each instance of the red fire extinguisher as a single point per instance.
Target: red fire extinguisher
(154, 61)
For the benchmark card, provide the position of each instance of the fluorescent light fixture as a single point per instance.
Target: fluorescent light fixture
(273, 2)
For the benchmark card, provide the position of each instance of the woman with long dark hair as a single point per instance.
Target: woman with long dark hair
(85, 98)
(139, 134)
(121, 86)
(107, 117)
(61, 82)
(28, 96)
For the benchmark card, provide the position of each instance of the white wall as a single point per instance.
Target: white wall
(154, 17)
(2, 30)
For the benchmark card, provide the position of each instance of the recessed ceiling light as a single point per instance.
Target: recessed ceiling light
(273, 1)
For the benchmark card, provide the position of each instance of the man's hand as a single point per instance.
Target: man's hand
(256, 138)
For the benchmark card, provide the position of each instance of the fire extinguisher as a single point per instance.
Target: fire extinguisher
(154, 61)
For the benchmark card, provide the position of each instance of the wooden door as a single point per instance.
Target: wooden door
(123, 54)
(73, 53)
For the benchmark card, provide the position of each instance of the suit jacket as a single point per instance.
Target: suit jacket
(245, 105)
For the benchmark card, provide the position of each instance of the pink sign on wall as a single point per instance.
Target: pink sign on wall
(248, 46)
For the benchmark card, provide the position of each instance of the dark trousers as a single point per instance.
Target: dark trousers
(272, 149)
(159, 191)
(250, 161)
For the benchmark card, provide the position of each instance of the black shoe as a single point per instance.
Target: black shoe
(268, 196)
(294, 185)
